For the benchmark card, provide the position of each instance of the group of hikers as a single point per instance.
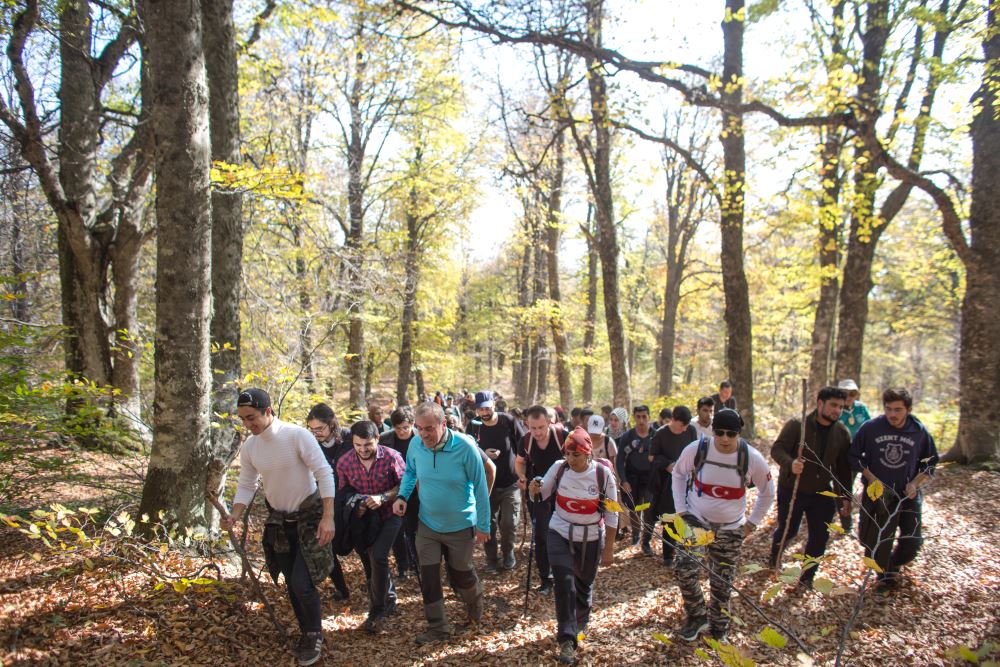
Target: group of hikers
(435, 480)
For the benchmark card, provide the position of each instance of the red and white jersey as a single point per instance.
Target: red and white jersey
(718, 495)
(577, 501)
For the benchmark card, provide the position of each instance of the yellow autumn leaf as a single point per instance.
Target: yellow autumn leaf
(831, 494)
(823, 586)
(612, 506)
(644, 506)
(662, 638)
(836, 527)
(875, 490)
(772, 637)
(703, 537)
(870, 562)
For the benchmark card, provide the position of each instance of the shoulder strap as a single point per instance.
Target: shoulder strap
(699, 460)
(743, 459)
(602, 482)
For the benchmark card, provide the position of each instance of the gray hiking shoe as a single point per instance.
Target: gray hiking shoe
(567, 652)
(432, 635)
(509, 562)
(309, 648)
(694, 627)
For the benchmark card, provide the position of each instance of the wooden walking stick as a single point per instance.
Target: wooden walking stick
(795, 486)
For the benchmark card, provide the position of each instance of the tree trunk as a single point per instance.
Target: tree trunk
(182, 447)
(979, 366)
(553, 229)
(409, 306)
(607, 241)
(590, 319)
(739, 347)
(541, 345)
(829, 240)
(866, 226)
(355, 240)
(668, 332)
(522, 366)
(221, 64)
(305, 306)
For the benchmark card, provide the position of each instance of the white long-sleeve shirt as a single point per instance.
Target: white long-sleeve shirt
(577, 500)
(289, 463)
(718, 495)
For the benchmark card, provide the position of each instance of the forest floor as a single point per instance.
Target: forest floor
(56, 608)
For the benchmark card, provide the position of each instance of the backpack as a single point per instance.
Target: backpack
(602, 484)
(742, 466)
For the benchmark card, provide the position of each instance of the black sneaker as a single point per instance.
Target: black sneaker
(491, 567)
(719, 635)
(647, 549)
(309, 648)
(567, 652)
(509, 562)
(545, 587)
(432, 635)
(373, 623)
(694, 627)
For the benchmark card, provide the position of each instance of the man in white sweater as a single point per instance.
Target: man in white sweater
(298, 490)
(709, 484)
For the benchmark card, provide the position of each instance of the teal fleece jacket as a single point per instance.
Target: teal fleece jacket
(453, 494)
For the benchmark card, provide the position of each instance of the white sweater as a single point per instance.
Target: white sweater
(716, 482)
(289, 463)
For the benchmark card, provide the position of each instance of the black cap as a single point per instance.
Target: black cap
(727, 419)
(253, 398)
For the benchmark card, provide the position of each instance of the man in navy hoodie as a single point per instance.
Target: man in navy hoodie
(898, 451)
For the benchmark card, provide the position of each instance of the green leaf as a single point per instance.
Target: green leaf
(823, 586)
(968, 654)
(750, 568)
(772, 637)
(662, 638)
(772, 591)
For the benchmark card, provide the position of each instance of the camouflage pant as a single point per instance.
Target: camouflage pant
(720, 556)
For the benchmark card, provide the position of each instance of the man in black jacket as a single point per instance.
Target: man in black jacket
(822, 469)
(668, 443)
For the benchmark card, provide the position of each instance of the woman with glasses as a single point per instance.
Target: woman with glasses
(335, 441)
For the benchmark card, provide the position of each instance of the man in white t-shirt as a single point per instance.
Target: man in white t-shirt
(711, 494)
(580, 532)
(298, 490)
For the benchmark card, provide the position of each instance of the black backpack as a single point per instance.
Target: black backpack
(742, 466)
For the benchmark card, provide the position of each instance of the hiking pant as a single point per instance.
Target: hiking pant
(337, 577)
(640, 495)
(541, 512)
(457, 549)
(505, 508)
(574, 568)
(407, 531)
(720, 558)
(302, 592)
(818, 510)
(375, 559)
(879, 524)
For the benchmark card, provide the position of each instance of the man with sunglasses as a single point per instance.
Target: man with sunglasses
(822, 469)
(711, 494)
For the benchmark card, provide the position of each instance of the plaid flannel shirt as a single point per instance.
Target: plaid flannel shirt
(386, 473)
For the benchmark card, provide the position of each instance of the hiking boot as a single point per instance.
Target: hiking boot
(390, 609)
(647, 549)
(567, 652)
(491, 567)
(509, 562)
(374, 623)
(545, 587)
(694, 627)
(668, 561)
(432, 635)
(309, 648)
(720, 635)
(340, 596)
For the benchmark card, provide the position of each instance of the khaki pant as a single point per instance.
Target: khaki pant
(457, 549)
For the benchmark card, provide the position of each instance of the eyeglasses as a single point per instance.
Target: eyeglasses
(319, 429)
(426, 429)
(725, 433)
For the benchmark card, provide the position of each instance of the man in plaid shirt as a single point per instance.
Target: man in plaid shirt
(374, 473)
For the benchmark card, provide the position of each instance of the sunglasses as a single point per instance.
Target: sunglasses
(725, 433)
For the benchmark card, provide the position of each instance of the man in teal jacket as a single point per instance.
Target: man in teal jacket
(454, 514)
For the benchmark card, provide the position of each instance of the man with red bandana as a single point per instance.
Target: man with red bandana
(581, 531)
(716, 500)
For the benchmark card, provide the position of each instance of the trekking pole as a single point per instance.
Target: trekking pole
(214, 500)
(531, 559)
(795, 486)
(411, 551)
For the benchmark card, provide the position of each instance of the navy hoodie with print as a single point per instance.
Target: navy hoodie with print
(894, 455)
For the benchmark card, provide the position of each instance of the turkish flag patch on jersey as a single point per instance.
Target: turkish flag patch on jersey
(577, 505)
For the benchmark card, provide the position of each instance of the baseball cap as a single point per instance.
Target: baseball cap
(254, 398)
(484, 399)
(849, 385)
(595, 425)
